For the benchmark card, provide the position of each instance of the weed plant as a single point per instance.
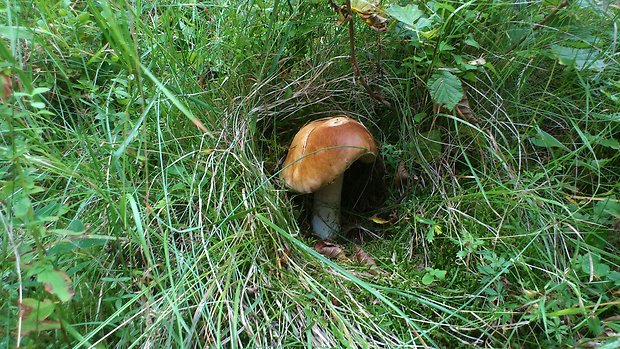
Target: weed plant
(140, 204)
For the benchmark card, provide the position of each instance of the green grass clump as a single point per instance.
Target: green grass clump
(141, 205)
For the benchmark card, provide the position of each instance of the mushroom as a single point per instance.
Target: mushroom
(317, 159)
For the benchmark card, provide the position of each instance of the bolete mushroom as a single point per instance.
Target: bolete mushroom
(318, 157)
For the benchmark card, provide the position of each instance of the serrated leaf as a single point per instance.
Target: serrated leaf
(57, 282)
(445, 89)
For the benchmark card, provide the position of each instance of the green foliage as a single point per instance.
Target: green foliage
(445, 89)
(140, 148)
(433, 275)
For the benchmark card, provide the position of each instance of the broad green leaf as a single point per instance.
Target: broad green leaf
(407, 15)
(34, 314)
(57, 282)
(439, 274)
(22, 207)
(36, 309)
(609, 143)
(50, 212)
(545, 140)
(446, 89)
(38, 326)
(39, 90)
(428, 279)
(580, 58)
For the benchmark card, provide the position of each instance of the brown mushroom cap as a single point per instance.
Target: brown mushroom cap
(323, 149)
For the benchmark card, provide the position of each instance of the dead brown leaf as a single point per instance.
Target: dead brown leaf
(363, 257)
(7, 86)
(402, 175)
(330, 250)
(374, 21)
(283, 258)
(462, 108)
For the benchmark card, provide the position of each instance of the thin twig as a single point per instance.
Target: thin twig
(356, 68)
(540, 24)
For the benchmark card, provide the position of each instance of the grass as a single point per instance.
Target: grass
(141, 204)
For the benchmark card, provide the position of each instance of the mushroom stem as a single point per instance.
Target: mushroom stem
(326, 215)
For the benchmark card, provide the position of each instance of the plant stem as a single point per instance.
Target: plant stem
(539, 24)
(356, 68)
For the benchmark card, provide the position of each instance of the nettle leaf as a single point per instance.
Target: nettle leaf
(446, 89)
(57, 282)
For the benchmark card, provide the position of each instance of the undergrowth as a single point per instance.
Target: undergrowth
(142, 142)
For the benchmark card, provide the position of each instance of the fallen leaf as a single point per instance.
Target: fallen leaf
(374, 21)
(363, 257)
(7, 86)
(330, 250)
(335, 301)
(379, 220)
(479, 61)
(462, 108)
(368, 11)
(284, 256)
(402, 175)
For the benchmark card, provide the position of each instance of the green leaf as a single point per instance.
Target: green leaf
(34, 315)
(22, 207)
(545, 140)
(439, 274)
(446, 89)
(37, 105)
(429, 144)
(428, 279)
(580, 58)
(57, 282)
(50, 212)
(407, 15)
(38, 326)
(39, 90)
(36, 309)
